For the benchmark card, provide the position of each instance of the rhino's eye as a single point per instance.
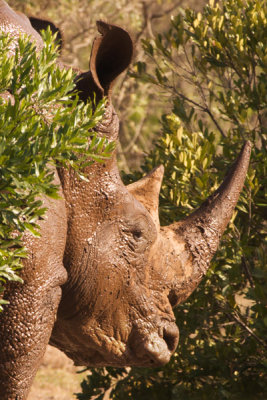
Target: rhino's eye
(137, 234)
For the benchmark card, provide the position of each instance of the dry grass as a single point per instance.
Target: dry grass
(56, 379)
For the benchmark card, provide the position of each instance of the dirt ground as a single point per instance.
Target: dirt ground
(56, 379)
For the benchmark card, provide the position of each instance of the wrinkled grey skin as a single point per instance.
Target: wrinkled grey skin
(120, 272)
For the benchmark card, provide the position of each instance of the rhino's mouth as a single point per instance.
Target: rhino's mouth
(97, 359)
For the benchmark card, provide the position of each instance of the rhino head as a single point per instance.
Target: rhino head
(125, 272)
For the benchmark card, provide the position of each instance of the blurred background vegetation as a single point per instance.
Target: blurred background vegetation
(197, 90)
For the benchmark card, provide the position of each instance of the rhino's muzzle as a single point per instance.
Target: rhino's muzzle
(155, 348)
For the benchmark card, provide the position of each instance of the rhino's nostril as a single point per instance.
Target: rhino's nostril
(171, 336)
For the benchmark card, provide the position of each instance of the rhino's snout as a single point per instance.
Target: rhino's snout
(156, 348)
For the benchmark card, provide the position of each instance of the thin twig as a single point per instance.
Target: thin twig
(136, 136)
(204, 109)
(155, 16)
(247, 328)
(247, 271)
(215, 122)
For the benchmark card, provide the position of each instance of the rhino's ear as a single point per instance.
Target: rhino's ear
(42, 24)
(111, 55)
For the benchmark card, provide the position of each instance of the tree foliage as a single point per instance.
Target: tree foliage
(41, 124)
(212, 67)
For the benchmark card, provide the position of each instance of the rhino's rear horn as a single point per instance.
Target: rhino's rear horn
(147, 190)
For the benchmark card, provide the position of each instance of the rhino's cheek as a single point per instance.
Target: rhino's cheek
(110, 348)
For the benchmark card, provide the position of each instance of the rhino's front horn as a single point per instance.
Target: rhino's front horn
(192, 242)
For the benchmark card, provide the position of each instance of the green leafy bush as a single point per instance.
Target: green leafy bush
(41, 124)
(211, 67)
